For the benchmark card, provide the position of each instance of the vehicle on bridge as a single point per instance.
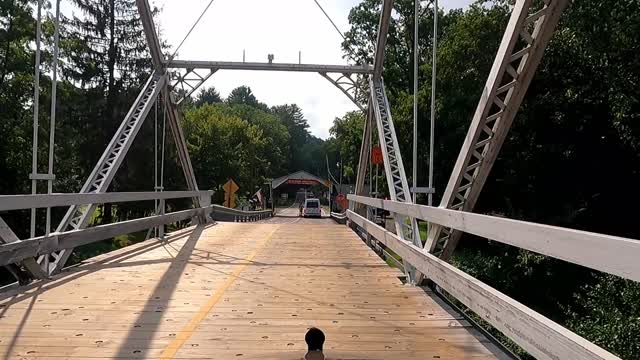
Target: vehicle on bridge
(312, 208)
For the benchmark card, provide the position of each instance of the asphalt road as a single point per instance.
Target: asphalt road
(290, 216)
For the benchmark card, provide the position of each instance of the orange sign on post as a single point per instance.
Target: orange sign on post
(341, 199)
(230, 188)
(376, 155)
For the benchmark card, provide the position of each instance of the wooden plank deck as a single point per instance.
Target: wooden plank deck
(235, 291)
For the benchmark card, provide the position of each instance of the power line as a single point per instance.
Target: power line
(331, 21)
(190, 30)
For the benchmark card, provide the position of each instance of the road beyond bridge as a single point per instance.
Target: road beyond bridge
(235, 291)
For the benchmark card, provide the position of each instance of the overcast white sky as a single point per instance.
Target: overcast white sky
(261, 27)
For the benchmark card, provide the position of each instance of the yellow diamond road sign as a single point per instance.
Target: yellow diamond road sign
(230, 188)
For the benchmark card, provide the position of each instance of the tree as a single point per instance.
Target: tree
(346, 139)
(106, 52)
(297, 126)
(17, 32)
(224, 146)
(272, 128)
(242, 95)
(208, 96)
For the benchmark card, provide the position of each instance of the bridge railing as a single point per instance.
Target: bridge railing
(536, 334)
(222, 213)
(18, 250)
(340, 218)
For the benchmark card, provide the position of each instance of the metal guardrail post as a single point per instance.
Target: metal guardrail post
(205, 202)
(161, 227)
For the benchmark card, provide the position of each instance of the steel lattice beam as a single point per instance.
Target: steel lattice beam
(184, 84)
(528, 32)
(349, 86)
(406, 227)
(258, 66)
(169, 101)
(381, 42)
(150, 32)
(180, 142)
(365, 156)
(78, 217)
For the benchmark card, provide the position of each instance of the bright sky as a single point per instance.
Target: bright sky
(261, 27)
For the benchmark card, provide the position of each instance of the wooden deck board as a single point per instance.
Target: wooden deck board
(235, 291)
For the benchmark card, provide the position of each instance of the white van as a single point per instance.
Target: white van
(312, 208)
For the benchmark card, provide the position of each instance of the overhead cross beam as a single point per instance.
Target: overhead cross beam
(344, 77)
(235, 65)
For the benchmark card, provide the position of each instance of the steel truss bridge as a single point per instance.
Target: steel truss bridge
(247, 288)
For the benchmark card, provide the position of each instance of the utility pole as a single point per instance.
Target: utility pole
(415, 101)
(433, 100)
(340, 166)
(36, 101)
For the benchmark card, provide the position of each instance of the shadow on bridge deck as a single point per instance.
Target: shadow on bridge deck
(235, 290)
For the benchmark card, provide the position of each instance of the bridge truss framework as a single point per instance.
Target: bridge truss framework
(529, 29)
(528, 32)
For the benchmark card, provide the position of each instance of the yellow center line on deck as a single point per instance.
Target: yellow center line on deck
(185, 333)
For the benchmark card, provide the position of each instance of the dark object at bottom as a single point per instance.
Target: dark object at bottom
(314, 339)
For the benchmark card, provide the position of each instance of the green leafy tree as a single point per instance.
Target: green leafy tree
(17, 32)
(297, 126)
(105, 51)
(208, 96)
(224, 146)
(346, 139)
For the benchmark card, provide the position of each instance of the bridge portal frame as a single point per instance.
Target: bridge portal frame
(162, 85)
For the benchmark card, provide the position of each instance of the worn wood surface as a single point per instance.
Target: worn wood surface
(235, 291)
(536, 334)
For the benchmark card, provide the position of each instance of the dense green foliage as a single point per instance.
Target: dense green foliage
(572, 157)
(244, 139)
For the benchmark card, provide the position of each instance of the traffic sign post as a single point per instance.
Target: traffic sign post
(230, 188)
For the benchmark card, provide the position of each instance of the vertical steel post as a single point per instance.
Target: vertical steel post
(164, 135)
(377, 167)
(36, 104)
(415, 100)
(369, 136)
(155, 164)
(370, 215)
(433, 101)
(341, 167)
(52, 119)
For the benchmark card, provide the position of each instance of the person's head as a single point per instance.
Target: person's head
(314, 339)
